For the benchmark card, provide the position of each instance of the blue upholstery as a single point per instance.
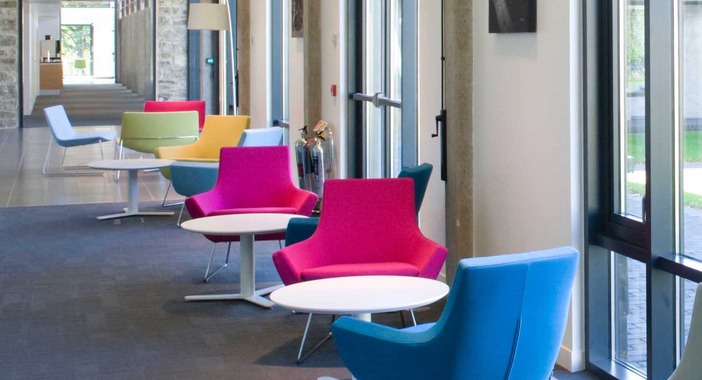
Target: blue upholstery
(271, 136)
(63, 132)
(504, 319)
(64, 136)
(300, 229)
(190, 178)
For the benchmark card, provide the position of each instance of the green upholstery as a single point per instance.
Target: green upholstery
(146, 131)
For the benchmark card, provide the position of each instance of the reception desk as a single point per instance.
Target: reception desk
(50, 78)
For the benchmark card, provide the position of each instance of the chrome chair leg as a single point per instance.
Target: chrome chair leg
(300, 357)
(208, 276)
(46, 172)
(180, 216)
(164, 204)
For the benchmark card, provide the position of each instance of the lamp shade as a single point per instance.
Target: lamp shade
(208, 16)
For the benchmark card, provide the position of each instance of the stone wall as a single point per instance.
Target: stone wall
(9, 54)
(136, 52)
(172, 50)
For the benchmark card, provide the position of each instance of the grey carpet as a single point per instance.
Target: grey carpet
(88, 299)
(88, 105)
(82, 298)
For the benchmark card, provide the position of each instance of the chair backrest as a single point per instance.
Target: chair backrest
(182, 105)
(254, 177)
(59, 124)
(420, 174)
(690, 366)
(368, 220)
(270, 136)
(506, 310)
(220, 131)
(146, 131)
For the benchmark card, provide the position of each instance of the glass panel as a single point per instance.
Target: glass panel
(631, 150)
(394, 90)
(688, 292)
(629, 319)
(691, 127)
(374, 81)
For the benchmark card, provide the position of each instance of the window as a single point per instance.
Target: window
(642, 156)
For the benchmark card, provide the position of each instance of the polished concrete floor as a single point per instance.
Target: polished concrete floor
(22, 183)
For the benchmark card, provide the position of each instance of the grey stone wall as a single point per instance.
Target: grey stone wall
(172, 50)
(9, 57)
(136, 48)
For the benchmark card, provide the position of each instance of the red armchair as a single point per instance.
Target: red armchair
(367, 227)
(251, 180)
(175, 105)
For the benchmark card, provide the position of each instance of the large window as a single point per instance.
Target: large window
(644, 137)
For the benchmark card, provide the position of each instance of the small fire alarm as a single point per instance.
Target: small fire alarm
(333, 90)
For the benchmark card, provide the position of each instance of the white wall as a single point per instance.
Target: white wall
(30, 59)
(525, 142)
(432, 216)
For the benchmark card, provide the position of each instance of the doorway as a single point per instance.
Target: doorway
(382, 74)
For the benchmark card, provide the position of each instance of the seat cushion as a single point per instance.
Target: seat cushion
(254, 210)
(365, 269)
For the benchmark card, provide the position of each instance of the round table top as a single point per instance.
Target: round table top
(239, 224)
(130, 164)
(360, 294)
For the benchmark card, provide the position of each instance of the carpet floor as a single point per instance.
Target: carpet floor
(88, 299)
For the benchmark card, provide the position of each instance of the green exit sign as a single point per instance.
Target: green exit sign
(209, 61)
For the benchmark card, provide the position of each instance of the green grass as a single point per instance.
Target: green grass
(689, 199)
(692, 147)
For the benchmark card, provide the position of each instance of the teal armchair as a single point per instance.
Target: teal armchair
(504, 319)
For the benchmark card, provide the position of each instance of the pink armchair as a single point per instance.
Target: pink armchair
(367, 227)
(251, 180)
(178, 105)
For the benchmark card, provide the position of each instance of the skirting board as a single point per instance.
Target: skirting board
(573, 361)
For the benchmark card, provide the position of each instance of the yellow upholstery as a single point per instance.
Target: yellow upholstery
(219, 131)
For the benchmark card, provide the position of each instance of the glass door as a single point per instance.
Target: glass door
(385, 74)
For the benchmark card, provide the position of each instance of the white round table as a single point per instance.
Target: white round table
(132, 166)
(246, 226)
(359, 296)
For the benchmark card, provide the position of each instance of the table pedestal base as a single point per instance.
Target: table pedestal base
(134, 213)
(255, 298)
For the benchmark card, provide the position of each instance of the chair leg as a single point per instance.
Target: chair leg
(208, 276)
(414, 320)
(46, 172)
(300, 357)
(180, 216)
(164, 204)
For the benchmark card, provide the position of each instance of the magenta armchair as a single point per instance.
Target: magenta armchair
(367, 227)
(178, 105)
(251, 180)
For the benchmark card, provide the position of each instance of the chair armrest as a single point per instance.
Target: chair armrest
(303, 201)
(373, 351)
(429, 256)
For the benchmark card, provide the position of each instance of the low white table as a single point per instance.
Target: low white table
(359, 296)
(133, 166)
(246, 226)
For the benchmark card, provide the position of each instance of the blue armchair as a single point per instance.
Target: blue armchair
(300, 229)
(504, 319)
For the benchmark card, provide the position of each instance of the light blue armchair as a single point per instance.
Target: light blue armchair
(504, 319)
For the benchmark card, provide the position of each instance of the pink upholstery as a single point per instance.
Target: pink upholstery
(252, 180)
(367, 227)
(183, 105)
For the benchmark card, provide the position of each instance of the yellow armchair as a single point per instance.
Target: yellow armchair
(219, 131)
